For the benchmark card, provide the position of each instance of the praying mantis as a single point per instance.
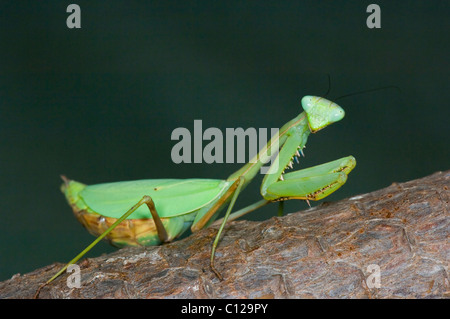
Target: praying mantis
(159, 210)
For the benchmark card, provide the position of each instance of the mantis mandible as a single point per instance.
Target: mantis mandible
(162, 209)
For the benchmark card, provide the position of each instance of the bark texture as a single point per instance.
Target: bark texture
(330, 251)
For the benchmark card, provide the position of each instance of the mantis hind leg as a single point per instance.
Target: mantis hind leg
(162, 234)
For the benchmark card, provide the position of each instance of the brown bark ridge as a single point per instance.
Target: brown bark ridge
(390, 243)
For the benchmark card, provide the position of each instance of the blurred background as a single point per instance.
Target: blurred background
(99, 103)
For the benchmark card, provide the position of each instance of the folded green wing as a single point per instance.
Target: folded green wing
(172, 197)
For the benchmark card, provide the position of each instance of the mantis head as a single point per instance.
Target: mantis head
(321, 112)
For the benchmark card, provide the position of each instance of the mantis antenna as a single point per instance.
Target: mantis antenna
(329, 86)
(370, 90)
(358, 92)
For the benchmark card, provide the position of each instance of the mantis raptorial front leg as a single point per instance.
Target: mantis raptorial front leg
(312, 183)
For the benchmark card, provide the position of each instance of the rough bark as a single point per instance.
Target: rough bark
(322, 252)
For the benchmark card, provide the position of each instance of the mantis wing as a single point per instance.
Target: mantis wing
(172, 197)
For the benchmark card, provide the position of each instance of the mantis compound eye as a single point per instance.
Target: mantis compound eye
(336, 113)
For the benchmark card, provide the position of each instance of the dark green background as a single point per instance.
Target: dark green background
(98, 104)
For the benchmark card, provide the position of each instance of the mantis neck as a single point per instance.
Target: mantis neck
(249, 170)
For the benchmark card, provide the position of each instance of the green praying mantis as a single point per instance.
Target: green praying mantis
(159, 210)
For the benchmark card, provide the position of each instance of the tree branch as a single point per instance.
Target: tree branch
(329, 251)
